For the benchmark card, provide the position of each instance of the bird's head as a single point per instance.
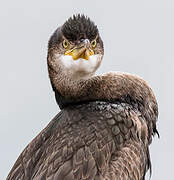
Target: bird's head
(76, 48)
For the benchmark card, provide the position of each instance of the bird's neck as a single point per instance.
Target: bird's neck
(108, 87)
(74, 88)
(71, 84)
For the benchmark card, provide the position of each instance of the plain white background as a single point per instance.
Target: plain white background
(138, 38)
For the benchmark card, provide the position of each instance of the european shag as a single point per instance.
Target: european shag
(106, 122)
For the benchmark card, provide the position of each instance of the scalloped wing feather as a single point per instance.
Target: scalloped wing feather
(97, 140)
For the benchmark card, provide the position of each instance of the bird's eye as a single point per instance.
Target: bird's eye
(65, 44)
(93, 43)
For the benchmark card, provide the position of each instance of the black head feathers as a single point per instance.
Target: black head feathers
(79, 27)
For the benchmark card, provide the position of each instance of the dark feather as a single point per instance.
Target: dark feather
(79, 27)
(95, 140)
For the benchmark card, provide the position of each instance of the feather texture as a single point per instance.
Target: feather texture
(95, 140)
(79, 27)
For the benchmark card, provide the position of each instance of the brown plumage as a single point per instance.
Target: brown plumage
(106, 124)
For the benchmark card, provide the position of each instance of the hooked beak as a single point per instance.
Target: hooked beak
(82, 50)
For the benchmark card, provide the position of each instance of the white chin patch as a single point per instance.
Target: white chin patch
(80, 67)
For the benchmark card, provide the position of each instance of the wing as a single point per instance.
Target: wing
(96, 140)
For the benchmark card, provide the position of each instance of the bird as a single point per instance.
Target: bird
(106, 122)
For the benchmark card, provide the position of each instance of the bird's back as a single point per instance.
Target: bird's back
(94, 140)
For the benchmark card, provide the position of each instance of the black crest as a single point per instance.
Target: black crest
(79, 27)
